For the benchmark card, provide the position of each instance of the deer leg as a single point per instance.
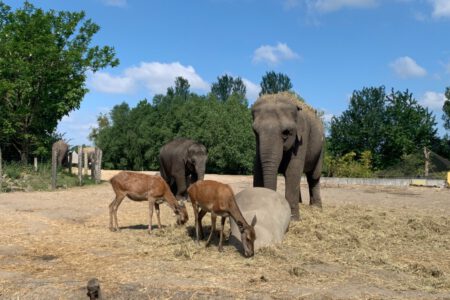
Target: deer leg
(196, 215)
(113, 207)
(158, 215)
(221, 233)
(201, 214)
(151, 204)
(213, 228)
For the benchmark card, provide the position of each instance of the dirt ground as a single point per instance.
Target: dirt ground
(366, 243)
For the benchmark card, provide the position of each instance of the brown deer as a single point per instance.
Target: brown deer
(218, 199)
(143, 187)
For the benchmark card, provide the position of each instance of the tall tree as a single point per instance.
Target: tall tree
(361, 127)
(182, 87)
(226, 86)
(389, 126)
(273, 83)
(446, 109)
(44, 59)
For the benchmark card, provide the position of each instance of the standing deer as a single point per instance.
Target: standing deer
(143, 187)
(218, 199)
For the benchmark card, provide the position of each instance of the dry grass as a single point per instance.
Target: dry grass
(341, 252)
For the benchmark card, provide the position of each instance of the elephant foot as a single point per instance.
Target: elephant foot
(113, 229)
(295, 217)
(317, 204)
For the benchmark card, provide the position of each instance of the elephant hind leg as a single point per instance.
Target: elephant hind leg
(314, 189)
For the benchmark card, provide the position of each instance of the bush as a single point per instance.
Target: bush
(349, 166)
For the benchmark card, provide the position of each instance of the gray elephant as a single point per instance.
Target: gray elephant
(182, 162)
(289, 140)
(62, 153)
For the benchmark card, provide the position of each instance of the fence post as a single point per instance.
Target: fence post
(54, 165)
(80, 165)
(1, 171)
(98, 165)
(35, 164)
(86, 163)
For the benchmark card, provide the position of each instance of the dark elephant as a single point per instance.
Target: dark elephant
(62, 153)
(182, 162)
(289, 140)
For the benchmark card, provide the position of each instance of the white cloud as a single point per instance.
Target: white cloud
(252, 90)
(441, 8)
(156, 77)
(116, 3)
(433, 100)
(325, 6)
(407, 67)
(274, 54)
(106, 83)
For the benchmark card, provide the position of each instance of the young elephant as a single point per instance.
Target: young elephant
(218, 199)
(182, 162)
(143, 187)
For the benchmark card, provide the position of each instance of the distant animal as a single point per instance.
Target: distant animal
(61, 148)
(143, 187)
(273, 213)
(218, 199)
(93, 289)
(182, 162)
(289, 140)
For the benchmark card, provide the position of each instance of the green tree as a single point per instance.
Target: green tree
(446, 109)
(273, 83)
(182, 87)
(44, 59)
(226, 86)
(389, 126)
(361, 127)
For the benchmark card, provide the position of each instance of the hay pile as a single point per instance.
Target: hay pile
(344, 251)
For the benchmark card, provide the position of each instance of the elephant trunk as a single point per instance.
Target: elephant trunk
(200, 171)
(270, 155)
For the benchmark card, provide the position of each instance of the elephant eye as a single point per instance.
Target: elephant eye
(286, 133)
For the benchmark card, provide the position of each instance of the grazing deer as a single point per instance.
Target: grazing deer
(143, 187)
(218, 199)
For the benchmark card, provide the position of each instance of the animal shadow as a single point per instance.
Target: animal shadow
(206, 231)
(143, 227)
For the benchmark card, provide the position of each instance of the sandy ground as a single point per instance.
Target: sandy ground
(52, 243)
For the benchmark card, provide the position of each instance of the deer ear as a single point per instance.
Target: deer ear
(254, 220)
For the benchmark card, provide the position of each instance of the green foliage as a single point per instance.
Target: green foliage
(273, 83)
(349, 166)
(389, 126)
(409, 165)
(446, 109)
(44, 58)
(20, 177)
(226, 86)
(132, 137)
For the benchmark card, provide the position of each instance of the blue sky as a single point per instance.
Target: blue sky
(328, 48)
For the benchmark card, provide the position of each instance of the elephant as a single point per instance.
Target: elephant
(289, 140)
(62, 153)
(182, 162)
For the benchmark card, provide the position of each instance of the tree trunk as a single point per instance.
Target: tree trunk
(80, 165)
(426, 152)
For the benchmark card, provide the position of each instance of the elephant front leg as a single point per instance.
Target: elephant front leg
(292, 193)
(181, 182)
